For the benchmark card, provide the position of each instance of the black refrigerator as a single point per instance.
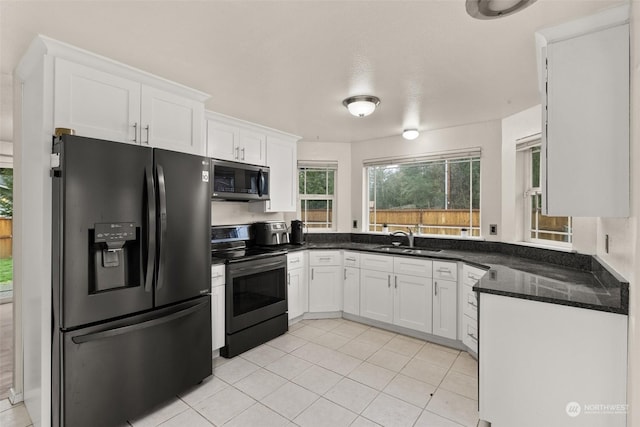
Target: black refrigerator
(131, 277)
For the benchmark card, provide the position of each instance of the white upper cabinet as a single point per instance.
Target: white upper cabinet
(282, 161)
(95, 103)
(235, 140)
(112, 102)
(171, 121)
(585, 137)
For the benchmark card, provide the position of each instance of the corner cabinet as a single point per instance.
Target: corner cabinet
(105, 101)
(585, 124)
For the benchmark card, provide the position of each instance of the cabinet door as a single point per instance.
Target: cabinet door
(217, 317)
(96, 104)
(172, 122)
(445, 308)
(376, 295)
(325, 292)
(222, 141)
(294, 292)
(281, 159)
(252, 147)
(412, 302)
(351, 301)
(587, 135)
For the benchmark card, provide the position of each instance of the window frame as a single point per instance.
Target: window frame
(529, 192)
(330, 198)
(447, 159)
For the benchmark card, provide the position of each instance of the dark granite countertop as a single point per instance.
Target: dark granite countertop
(593, 286)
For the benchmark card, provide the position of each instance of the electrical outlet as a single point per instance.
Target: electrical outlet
(355, 223)
(493, 229)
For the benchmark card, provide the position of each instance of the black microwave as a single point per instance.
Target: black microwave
(239, 181)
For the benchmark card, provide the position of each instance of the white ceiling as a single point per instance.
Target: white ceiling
(289, 64)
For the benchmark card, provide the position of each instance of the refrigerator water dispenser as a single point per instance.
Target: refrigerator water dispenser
(115, 249)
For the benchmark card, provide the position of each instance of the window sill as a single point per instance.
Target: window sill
(562, 248)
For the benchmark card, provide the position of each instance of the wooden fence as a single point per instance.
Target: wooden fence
(6, 226)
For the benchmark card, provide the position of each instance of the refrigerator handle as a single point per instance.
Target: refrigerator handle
(151, 231)
(95, 336)
(162, 197)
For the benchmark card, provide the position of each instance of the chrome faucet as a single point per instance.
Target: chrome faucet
(409, 235)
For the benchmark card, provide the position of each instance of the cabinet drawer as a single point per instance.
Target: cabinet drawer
(470, 333)
(445, 270)
(351, 259)
(376, 262)
(413, 266)
(217, 275)
(318, 258)
(295, 260)
(469, 302)
(471, 275)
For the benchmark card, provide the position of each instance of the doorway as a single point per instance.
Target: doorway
(6, 283)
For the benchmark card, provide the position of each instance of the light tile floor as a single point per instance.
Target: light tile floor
(329, 372)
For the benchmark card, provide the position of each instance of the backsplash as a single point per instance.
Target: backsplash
(226, 213)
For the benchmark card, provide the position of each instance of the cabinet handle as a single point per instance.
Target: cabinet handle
(388, 280)
(350, 259)
(242, 153)
(237, 156)
(436, 288)
(295, 260)
(444, 270)
(473, 337)
(135, 132)
(312, 274)
(396, 280)
(345, 274)
(147, 129)
(288, 279)
(324, 258)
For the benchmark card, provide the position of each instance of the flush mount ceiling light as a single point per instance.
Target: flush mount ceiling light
(361, 105)
(410, 134)
(491, 9)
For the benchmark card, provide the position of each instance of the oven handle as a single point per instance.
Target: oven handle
(238, 270)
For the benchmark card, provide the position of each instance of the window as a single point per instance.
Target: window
(317, 195)
(538, 227)
(431, 196)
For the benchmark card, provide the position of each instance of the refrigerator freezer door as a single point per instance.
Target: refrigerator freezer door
(116, 371)
(184, 207)
(102, 205)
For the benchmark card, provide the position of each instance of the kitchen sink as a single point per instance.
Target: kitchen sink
(407, 250)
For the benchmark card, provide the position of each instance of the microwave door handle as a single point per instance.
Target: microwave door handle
(162, 197)
(260, 183)
(151, 231)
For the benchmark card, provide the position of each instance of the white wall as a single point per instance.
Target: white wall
(485, 135)
(333, 152)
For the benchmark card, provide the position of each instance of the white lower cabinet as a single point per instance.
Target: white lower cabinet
(390, 296)
(445, 312)
(412, 299)
(217, 306)
(376, 296)
(351, 294)
(325, 281)
(296, 284)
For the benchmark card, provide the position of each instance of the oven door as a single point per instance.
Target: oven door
(256, 291)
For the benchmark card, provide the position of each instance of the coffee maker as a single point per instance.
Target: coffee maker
(297, 234)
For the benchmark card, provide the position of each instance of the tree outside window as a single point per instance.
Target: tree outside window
(430, 197)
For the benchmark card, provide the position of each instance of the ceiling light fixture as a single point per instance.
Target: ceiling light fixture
(410, 134)
(491, 9)
(361, 105)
